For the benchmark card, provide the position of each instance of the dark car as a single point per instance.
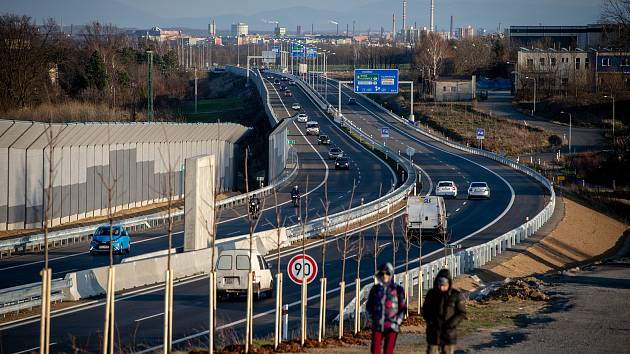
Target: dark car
(342, 163)
(288, 93)
(285, 78)
(323, 140)
(276, 82)
(352, 101)
(335, 153)
(282, 87)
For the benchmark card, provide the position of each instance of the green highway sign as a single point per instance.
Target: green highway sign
(291, 142)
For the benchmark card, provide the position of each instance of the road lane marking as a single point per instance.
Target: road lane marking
(32, 349)
(148, 317)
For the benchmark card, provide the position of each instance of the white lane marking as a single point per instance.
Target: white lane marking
(32, 349)
(419, 141)
(81, 253)
(159, 287)
(352, 256)
(456, 210)
(385, 244)
(66, 271)
(146, 318)
(233, 232)
(464, 203)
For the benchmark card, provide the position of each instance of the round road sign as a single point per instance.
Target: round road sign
(301, 266)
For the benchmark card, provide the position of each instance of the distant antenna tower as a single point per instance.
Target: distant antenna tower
(393, 27)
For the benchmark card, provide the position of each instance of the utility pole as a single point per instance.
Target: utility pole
(150, 86)
(195, 89)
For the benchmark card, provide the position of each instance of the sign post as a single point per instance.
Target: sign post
(481, 134)
(385, 132)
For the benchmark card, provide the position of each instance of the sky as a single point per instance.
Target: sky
(370, 14)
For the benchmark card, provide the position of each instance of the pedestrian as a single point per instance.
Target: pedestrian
(386, 306)
(444, 308)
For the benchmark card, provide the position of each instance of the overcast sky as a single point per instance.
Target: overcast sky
(367, 13)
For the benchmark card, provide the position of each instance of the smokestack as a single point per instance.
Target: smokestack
(432, 23)
(450, 33)
(312, 29)
(404, 23)
(347, 30)
(394, 27)
(353, 23)
(337, 29)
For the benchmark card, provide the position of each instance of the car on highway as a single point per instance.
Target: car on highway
(276, 82)
(296, 106)
(288, 93)
(120, 240)
(479, 190)
(312, 128)
(323, 140)
(284, 78)
(446, 189)
(282, 87)
(269, 77)
(352, 101)
(335, 153)
(302, 118)
(291, 83)
(232, 273)
(342, 163)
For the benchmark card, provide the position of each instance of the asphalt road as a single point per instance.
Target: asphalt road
(139, 318)
(582, 139)
(367, 172)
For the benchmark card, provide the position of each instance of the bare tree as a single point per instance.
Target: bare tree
(376, 248)
(472, 55)
(323, 280)
(345, 249)
(431, 53)
(360, 248)
(25, 57)
(279, 225)
(395, 243)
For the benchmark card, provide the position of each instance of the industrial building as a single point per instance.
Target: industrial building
(589, 36)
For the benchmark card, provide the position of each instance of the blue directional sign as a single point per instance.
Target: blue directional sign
(376, 80)
(297, 50)
(384, 132)
(481, 134)
(276, 49)
(311, 53)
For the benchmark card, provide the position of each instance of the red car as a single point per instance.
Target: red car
(288, 93)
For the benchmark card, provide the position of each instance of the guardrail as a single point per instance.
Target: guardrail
(24, 297)
(476, 256)
(317, 226)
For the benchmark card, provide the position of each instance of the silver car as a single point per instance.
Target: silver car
(446, 189)
(479, 190)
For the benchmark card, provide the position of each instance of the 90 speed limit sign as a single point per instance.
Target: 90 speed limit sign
(300, 267)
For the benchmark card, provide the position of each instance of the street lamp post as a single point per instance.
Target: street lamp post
(570, 127)
(613, 117)
(533, 78)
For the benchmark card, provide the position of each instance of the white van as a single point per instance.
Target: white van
(426, 217)
(232, 268)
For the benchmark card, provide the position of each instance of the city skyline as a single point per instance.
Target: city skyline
(368, 14)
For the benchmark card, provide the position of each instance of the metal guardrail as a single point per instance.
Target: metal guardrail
(24, 297)
(476, 256)
(317, 226)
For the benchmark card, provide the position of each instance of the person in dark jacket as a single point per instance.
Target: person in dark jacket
(443, 309)
(386, 306)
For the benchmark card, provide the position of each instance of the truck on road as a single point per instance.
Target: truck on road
(426, 217)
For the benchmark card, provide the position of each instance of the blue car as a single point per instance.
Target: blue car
(121, 242)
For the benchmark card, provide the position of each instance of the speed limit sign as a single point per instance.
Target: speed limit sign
(300, 267)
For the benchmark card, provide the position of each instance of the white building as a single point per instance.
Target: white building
(454, 89)
(239, 29)
(555, 71)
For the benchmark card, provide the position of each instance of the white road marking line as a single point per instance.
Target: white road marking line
(233, 232)
(385, 244)
(33, 349)
(65, 271)
(146, 318)
(456, 210)
(354, 255)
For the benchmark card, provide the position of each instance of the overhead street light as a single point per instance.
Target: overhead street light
(533, 78)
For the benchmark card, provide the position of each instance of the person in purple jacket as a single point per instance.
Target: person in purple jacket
(386, 306)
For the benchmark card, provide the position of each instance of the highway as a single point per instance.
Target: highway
(314, 167)
(139, 317)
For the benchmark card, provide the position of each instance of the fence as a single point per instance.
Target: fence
(135, 159)
(476, 256)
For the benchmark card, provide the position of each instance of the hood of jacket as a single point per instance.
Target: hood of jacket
(443, 273)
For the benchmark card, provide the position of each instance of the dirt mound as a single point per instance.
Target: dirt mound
(520, 289)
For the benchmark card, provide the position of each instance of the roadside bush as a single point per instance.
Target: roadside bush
(555, 140)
